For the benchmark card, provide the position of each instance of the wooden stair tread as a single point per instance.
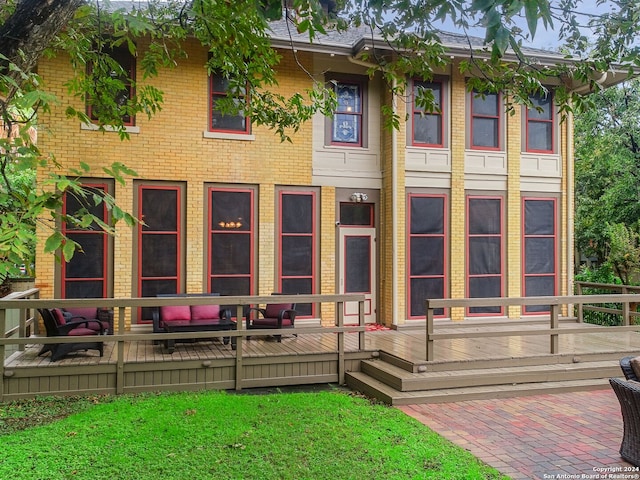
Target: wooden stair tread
(372, 387)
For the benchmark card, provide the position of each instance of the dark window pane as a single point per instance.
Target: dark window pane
(485, 104)
(356, 214)
(230, 254)
(231, 209)
(299, 285)
(543, 286)
(151, 288)
(539, 217)
(89, 263)
(160, 209)
(484, 256)
(427, 215)
(436, 91)
(484, 216)
(422, 289)
(542, 108)
(358, 261)
(540, 136)
(297, 213)
(231, 285)
(540, 255)
(84, 289)
(427, 128)
(231, 122)
(297, 256)
(485, 287)
(485, 132)
(427, 255)
(159, 256)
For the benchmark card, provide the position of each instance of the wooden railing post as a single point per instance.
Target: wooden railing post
(361, 342)
(340, 323)
(239, 345)
(580, 306)
(554, 320)
(626, 308)
(429, 333)
(120, 352)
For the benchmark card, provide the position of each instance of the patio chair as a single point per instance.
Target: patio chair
(57, 326)
(274, 315)
(103, 317)
(628, 393)
(627, 367)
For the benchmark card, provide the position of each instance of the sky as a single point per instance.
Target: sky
(547, 39)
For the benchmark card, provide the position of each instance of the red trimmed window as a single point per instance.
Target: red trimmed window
(297, 239)
(485, 266)
(486, 117)
(539, 250)
(346, 127)
(219, 89)
(540, 124)
(427, 251)
(85, 275)
(231, 241)
(159, 242)
(124, 71)
(428, 126)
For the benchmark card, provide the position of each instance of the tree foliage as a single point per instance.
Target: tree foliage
(237, 34)
(607, 169)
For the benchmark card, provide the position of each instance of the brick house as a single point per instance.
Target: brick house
(466, 202)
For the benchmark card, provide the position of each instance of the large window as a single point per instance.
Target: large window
(485, 121)
(539, 250)
(159, 241)
(220, 120)
(86, 274)
(347, 125)
(297, 238)
(231, 241)
(428, 124)
(484, 251)
(540, 124)
(427, 251)
(121, 75)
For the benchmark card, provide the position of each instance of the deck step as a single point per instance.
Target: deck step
(402, 380)
(374, 388)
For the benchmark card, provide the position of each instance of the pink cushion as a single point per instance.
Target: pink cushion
(81, 332)
(271, 322)
(86, 312)
(273, 309)
(177, 312)
(205, 312)
(58, 316)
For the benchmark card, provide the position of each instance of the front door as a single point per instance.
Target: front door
(357, 266)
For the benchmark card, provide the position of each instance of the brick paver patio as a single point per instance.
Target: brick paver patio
(555, 436)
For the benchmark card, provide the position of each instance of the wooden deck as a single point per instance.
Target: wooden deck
(309, 358)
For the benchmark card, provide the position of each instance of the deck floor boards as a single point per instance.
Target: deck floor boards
(408, 344)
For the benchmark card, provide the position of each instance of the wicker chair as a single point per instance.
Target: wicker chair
(628, 394)
(625, 365)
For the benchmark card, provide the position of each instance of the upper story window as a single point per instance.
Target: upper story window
(486, 120)
(540, 124)
(120, 75)
(428, 123)
(220, 120)
(347, 125)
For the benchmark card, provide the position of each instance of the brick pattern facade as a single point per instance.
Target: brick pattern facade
(171, 147)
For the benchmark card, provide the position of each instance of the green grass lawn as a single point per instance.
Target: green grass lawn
(217, 435)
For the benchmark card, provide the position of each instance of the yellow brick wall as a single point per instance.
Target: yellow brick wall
(457, 199)
(513, 210)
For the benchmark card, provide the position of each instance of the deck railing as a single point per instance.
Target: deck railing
(27, 303)
(609, 313)
(555, 304)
